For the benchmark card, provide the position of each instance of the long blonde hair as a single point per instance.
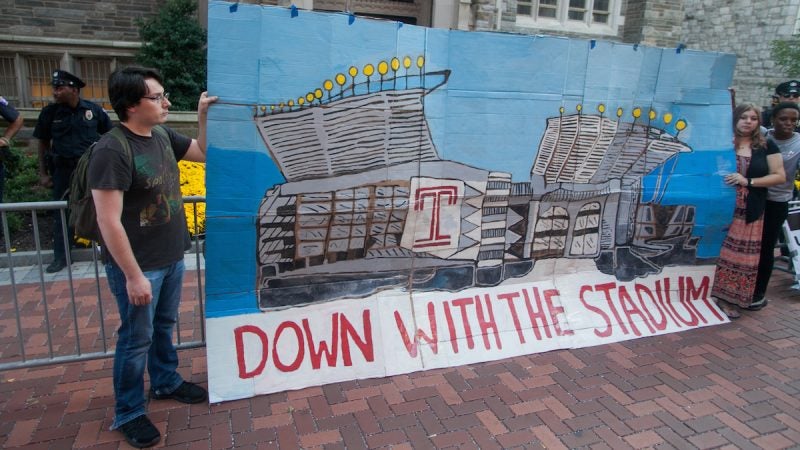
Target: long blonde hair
(757, 140)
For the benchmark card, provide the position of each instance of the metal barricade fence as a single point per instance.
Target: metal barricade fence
(789, 243)
(66, 317)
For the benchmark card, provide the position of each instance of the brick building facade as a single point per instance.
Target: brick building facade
(88, 38)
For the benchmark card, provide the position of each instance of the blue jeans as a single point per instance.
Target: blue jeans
(145, 336)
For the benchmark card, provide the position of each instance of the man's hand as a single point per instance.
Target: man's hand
(45, 180)
(204, 102)
(140, 292)
(197, 150)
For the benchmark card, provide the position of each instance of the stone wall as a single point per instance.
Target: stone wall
(656, 23)
(76, 19)
(485, 14)
(650, 22)
(745, 28)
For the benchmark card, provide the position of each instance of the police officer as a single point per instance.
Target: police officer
(65, 130)
(11, 115)
(788, 91)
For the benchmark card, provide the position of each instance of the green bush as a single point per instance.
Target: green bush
(786, 54)
(175, 44)
(22, 185)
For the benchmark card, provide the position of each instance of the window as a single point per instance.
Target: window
(547, 8)
(601, 11)
(577, 10)
(40, 73)
(550, 233)
(8, 80)
(94, 72)
(588, 16)
(25, 79)
(586, 233)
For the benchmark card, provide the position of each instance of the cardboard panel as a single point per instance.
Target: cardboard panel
(384, 198)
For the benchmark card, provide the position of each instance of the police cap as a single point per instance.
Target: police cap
(788, 87)
(64, 78)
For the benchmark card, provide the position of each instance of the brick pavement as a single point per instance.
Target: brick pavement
(728, 386)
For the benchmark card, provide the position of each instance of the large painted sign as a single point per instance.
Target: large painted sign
(386, 198)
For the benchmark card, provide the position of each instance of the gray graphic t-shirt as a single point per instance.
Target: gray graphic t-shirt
(790, 151)
(152, 208)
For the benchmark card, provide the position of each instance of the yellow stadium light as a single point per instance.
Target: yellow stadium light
(383, 68)
(369, 69)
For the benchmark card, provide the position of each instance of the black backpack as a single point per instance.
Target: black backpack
(82, 215)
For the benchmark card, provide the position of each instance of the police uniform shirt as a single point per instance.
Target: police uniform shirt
(72, 131)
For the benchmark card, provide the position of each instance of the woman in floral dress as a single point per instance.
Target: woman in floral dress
(758, 166)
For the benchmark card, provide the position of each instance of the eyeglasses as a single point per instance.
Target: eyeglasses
(158, 98)
(792, 95)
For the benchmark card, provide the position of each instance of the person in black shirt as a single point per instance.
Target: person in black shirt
(143, 225)
(65, 130)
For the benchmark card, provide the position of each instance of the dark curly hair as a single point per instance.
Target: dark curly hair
(784, 105)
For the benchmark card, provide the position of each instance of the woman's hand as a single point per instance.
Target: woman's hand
(732, 179)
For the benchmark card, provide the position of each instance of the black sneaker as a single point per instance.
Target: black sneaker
(140, 432)
(56, 266)
(758, 305)
(186, 393)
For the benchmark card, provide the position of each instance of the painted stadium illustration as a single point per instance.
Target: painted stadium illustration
(368, 204)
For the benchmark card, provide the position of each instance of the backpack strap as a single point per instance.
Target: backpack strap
(159, 130)
(119, 135)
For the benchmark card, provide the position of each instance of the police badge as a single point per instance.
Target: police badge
(88, 114)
